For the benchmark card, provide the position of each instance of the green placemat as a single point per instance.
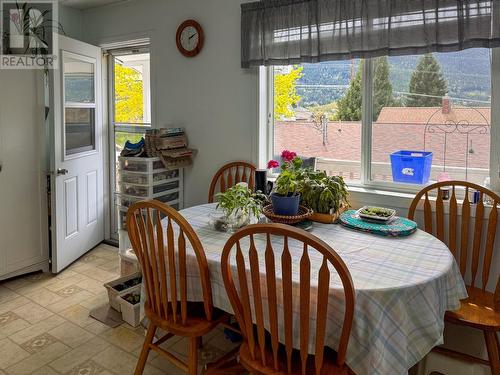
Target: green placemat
(398, 227)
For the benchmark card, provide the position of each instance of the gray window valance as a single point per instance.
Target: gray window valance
(284, 32)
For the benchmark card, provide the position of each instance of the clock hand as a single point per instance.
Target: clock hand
(191, 37)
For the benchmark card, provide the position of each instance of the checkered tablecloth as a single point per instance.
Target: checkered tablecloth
(403, 288)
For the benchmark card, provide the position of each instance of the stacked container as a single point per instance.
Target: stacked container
(145, 179)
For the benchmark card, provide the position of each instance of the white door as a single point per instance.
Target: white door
(77, 219)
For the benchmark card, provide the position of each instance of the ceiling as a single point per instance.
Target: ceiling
(87, 4)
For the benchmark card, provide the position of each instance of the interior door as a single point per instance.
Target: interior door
(77, 218)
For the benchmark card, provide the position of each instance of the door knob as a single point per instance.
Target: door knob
(61, 171)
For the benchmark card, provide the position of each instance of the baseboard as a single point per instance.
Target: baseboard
(41, 266)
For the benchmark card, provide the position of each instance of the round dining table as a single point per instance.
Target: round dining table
(403, 287)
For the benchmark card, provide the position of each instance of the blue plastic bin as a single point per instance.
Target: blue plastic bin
(411, 167)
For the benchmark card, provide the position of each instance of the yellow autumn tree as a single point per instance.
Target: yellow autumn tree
(285, 92)
(128, 94)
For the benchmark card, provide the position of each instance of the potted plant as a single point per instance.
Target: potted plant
(286, 196)
(238, 205)
(326, 195)
(121, 286)
(130, 306)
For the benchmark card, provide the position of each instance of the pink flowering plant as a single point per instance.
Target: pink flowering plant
(290, 175)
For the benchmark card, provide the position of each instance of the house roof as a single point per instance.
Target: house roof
(435, 115)
(398, 128)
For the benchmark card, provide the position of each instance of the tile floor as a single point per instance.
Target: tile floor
(45, 328)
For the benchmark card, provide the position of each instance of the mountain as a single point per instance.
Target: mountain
(467, 72)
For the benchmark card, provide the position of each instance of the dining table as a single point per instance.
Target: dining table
(403, 286)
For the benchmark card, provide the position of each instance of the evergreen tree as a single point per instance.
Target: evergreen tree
(429, 80)
(382, 87)
(349, 106)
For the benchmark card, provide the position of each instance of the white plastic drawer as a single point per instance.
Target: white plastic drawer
(134, 178)
(169, 197)
(166, 175)
(165, 187)
(142, 178)
(127, 200)
(122, 219)
(138, 165)
(133, 189)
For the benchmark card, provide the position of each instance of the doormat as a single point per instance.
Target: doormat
(107, 315)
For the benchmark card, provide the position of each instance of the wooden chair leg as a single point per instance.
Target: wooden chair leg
(141, 363)
(493, 351)
(194, 343)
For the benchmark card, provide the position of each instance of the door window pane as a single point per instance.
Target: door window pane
(78, 81)
(80, 130)
(317, 114)
(438, 103)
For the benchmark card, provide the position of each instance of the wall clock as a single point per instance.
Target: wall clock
(189, 38)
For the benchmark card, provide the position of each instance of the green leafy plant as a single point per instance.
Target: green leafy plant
(324, 194)
(291, 173)
(240, 200)
(132, 298)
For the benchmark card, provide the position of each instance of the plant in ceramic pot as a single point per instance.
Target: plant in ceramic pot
(237, 206)
(325, 195)
(285, 196)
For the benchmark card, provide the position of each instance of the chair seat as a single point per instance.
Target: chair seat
(476, 311)
(196, 322)
(329, 365)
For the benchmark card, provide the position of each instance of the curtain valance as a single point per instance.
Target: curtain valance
(284, 32)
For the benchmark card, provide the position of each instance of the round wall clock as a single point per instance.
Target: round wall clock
(190, 38)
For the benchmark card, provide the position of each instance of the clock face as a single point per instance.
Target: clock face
(189, 38)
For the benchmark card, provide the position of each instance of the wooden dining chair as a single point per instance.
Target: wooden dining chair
(163, 262)
(481, 309)
(261, 352)
(229, 175)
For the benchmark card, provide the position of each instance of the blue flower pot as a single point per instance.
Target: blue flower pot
(285, 205)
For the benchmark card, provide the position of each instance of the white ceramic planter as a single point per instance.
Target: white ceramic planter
(131, 314)
(113, 293)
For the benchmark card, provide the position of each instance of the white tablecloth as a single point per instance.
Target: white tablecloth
(403, 288)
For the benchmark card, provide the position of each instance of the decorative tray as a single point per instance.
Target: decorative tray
(303, 214)
(397, 227)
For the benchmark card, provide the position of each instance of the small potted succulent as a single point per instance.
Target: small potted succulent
(130, 306)
(237, 206)
(285, 196)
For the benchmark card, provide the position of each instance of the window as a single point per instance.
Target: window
(358, 118)
(130, 113)
(317, 113)
(79, 104)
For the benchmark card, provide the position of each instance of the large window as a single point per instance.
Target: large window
(360, 118)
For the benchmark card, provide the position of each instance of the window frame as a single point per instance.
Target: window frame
(267, 78)
(78, 152)
(120, 127)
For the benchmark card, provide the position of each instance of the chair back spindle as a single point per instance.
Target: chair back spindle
(229, 175)
(256, 270)
(161, 251)
(472, 228)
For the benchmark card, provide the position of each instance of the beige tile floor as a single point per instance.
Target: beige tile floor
(45, 328)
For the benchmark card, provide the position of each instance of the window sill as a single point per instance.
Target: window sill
(361, 196)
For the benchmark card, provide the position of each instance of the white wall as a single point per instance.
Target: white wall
(71, 21)
(210, 95)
